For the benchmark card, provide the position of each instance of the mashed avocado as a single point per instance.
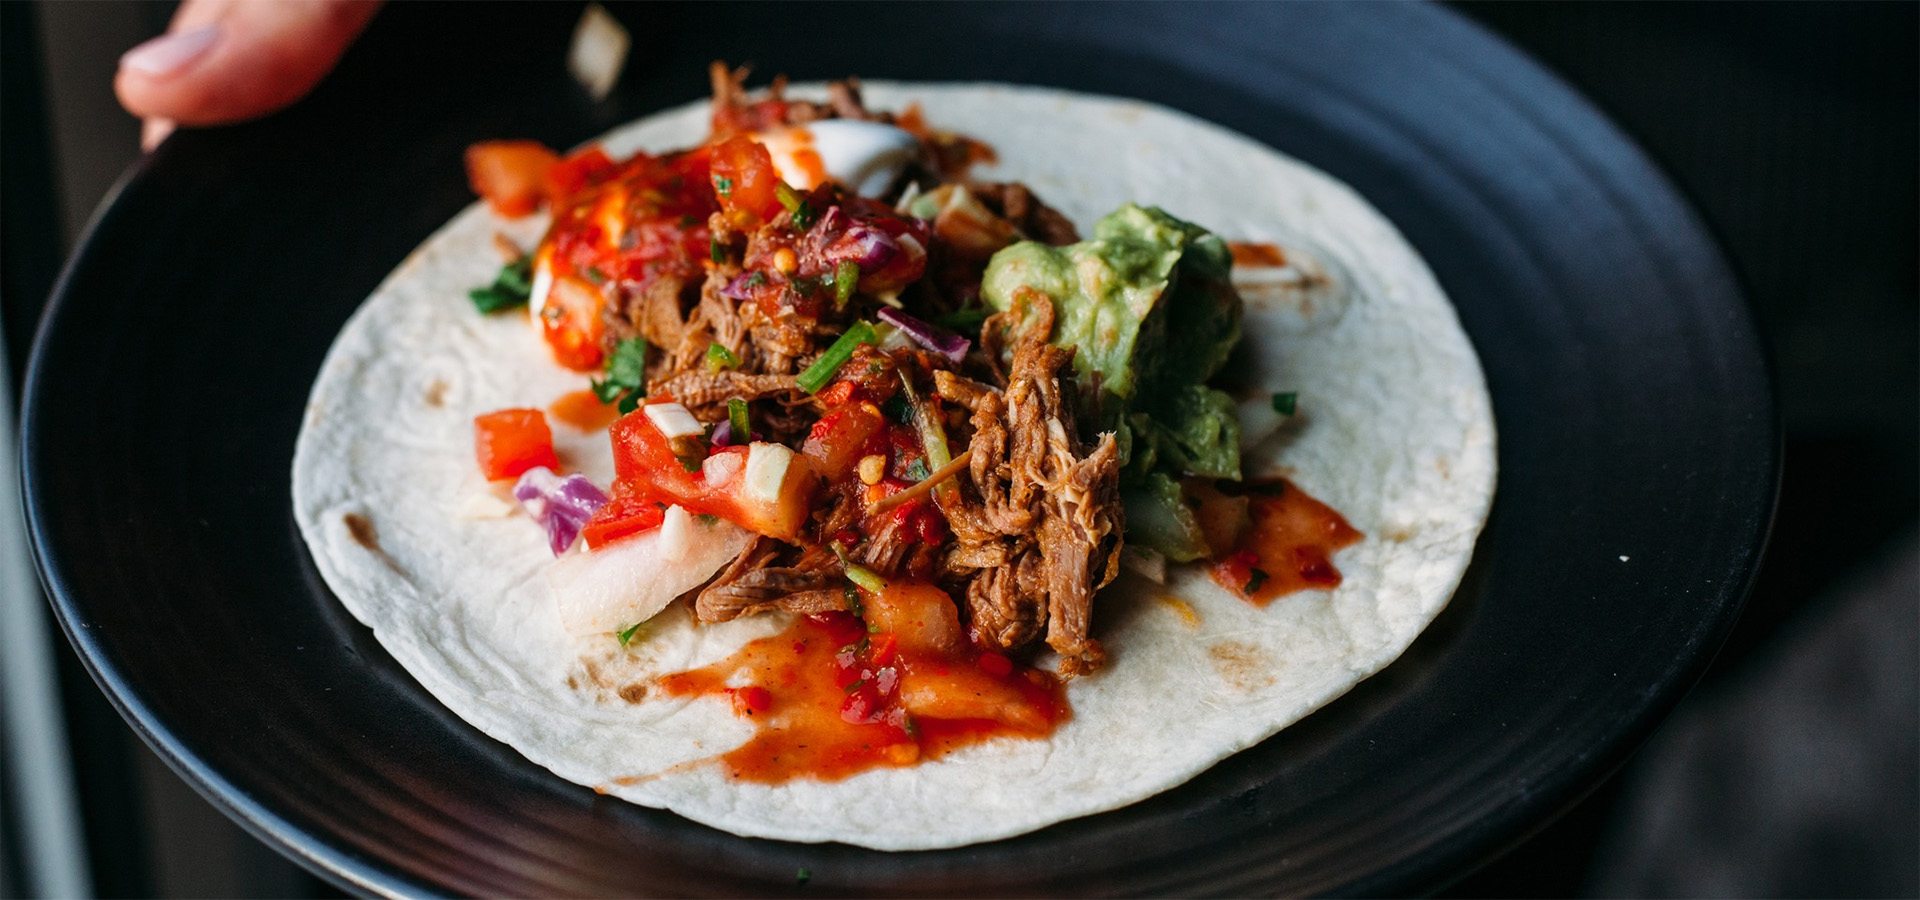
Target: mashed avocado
(1149, 306)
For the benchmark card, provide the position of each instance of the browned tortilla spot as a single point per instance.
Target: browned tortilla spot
(1241, 665)
(573, 684)
(436, 393)
(634, 693)
(361, 528)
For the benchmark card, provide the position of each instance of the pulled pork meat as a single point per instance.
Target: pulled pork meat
(1038, 526)
(1032, 526)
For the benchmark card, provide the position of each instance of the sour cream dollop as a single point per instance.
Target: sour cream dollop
(865, 156)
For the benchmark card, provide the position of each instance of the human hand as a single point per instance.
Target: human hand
(231, 60)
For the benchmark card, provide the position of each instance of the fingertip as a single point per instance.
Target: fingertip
(153, 131)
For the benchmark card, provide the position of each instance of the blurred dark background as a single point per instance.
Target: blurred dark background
(1792, 770)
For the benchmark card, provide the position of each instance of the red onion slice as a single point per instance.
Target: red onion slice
(939, 340)
(561, 505)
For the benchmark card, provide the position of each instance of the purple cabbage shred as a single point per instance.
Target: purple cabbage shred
(562, 505)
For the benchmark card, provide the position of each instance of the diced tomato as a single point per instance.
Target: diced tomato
(994, 664)
(629, 510)
(509, 174)
(579, 171)
(920, 616)
(644, 456)
(570, 321)
(751, 699)
(509, 442)
(838, 441)
(744, 179)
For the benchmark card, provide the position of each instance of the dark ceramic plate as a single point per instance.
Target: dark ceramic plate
(1638, 452)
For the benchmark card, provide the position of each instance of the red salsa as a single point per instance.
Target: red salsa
(834, 695)
(1289, 548)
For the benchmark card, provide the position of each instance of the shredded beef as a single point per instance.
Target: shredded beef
(753, 583)
(1041, 524)
(1014, 202)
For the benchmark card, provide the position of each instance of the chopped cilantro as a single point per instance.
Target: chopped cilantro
(853, 602)
(856, 684)
(898, 410)
(724, 186)
(510, 288)
(1283, 403)
(755, 279)
(912, 729)
(1255, 579)
(803, 876)
(596, 276)
(626, 634)
(708, 519)
(716, 250)
(626, 375)
(917, 470)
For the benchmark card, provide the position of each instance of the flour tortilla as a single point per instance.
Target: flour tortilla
(1395, 431)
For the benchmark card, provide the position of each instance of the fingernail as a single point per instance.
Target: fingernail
(153, 131)
(169, 53)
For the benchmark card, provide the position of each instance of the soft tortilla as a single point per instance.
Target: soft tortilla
(1396, 432)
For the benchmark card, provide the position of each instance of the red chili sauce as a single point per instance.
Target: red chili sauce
(1289, 548)
(1250, 254)
(832, 696)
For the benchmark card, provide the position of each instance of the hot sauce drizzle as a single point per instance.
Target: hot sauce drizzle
(1289, 548)
(829, 700)
(582, 409)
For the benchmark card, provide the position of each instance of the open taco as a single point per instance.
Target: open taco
(1106, 445)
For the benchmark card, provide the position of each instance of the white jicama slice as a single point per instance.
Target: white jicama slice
(631, 580)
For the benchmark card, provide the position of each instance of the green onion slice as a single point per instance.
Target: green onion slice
(719, 357)
(846, 276)
(822, 371)
(737, 416)
(866, 578)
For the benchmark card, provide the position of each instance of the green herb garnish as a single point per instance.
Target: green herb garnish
(708, 519)
(1255, 579)
(817, 375)
(855, 685)
(965, 321)
(846, 276)
(626, 634)
(596, 276)
(853, 602)
(917, 470)
(509, 289)
(719, 357)
(723, 186)
(626, 375)
(716, 250)
(1283, 403)
(803, 876)
(799, 212)
(737, 416)
(897, 410)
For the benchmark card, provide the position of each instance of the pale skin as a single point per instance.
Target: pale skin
(224, 61)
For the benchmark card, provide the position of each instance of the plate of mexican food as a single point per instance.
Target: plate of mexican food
(892, 484)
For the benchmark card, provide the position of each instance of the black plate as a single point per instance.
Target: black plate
(1638, 452)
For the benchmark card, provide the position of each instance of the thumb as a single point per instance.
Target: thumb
(230, 60)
